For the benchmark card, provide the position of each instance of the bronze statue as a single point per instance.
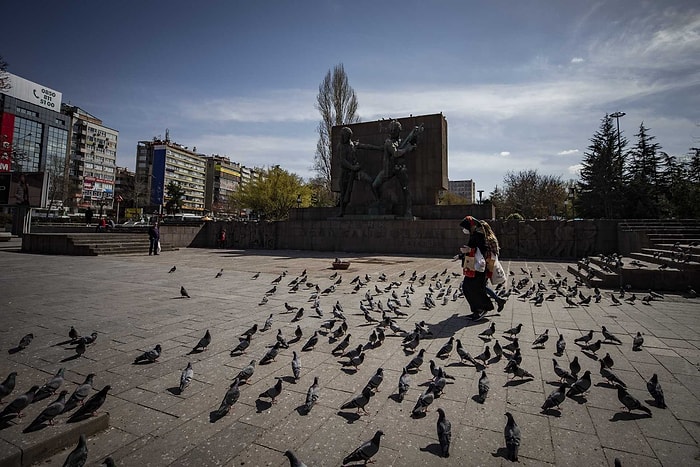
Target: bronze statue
(351, 169)
(394, 162)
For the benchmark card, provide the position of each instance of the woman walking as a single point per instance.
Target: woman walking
(473, 256)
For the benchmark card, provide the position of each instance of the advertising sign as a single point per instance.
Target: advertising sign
(34, 93)
(22, 189)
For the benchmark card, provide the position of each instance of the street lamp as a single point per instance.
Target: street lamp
(481, 192)
(617, 116)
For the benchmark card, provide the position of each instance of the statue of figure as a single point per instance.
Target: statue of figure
(351, 169)
(394, 163)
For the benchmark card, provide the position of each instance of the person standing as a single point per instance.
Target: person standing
(154, 238)
(494, 250)
(473, 256)
(222, 238)
(88, 216)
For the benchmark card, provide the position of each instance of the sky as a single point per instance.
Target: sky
(523, 85)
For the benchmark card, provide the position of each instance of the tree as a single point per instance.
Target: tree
(57, 180)
(530, 194)
(4, 77)
(175, 194)
(644, 193)
(272, 194)
(337, 103)
(602, 183)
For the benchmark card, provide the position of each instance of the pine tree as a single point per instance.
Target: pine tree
(643, 192)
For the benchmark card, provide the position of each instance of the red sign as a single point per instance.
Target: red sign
(119, 198)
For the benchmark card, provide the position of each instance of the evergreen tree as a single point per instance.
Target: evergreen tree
(602, 184)
(643, 194)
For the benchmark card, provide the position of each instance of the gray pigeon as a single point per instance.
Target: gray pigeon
(630, 402)
(541, 339)
(80, 393)
(484, 386)
(609, 376)
(489, 331)
(446, 350)
(92, 405)
(149, 356)
(245, 374)
(183, 292)
(366, 451)
(556, 398)
(19, 404)
(49, 413)
(242, 346)
(8, 385)
(562, 373)
(51, 386)
(311, 395)
(404, 384)
(512, 435)
(513, 368)
(484, 356)
(203, 342)
(637, 342)
(311, 343)
(355, 361)
(296, 366)
(186, 377)
(342, 345)
(230, 398)
(274, 391)
(608, 361)
(376, 380)
(561, 345)
(281, 340)
(268, 324)
(293, 459)
(417, 361)
(78, 456)
(359, 401)
(424, 400)
(109, 462)
(585, 339)
(444, 432)
(73, 333)
(592, 347)
(271, 354)
(581, 385)
(654, 388)
(575, 367)
(512, 332)
(610, 336)
(25, 341)
(464, 355)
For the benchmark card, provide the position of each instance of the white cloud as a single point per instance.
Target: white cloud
(577, 60)
(505, 153)
(575, 170)
(568, 152)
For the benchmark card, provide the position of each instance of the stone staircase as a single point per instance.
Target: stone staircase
(90, 244)
(664, 256)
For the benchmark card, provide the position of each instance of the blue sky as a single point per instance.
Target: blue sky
(522, 84)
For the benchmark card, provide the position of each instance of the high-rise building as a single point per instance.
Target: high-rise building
(92, 159)
(463, 188)
(160, 162)
(223, 179)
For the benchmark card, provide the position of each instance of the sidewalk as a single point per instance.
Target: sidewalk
(134, 303)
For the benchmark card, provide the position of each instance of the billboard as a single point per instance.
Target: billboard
(23, 189)
(34, 93)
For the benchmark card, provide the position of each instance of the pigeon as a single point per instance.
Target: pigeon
(355, 361)
(376, 380)
(271, 354)
(608, 361)
(80, 348)
(484, 356)
(78, 456)
(637, 342)
(562, 373)
(581, 385)
(183, 292)
(444, 432)
(87, 340)
(293, 459)
(592, 347)
(464, 355)
(263, 301)
(298, 315)
(424, 400)
(610, 336)
(497, 350)
(575, 367)
(488, 332)
(555, 398)
(49, 413)
(8, 385)
(417, 361)
(514, 331)
(256, 275)
(92, 405)
(203, 343)
(80, 393)
(656, 392)
(19, 404)
(186, 377)
(149, 356)
(516, 357)
(484, 386)
(296, 365)
(311, 343)
(585, 339)
(245, 374)
(273, 392)
(251, 332)
(541, 339)
(230, 398)
(512, 435)
(311, 396)
(290, 308)
(610, 376)
(73, 333)
(359, 402)
(366, 451)
(268, 324)
(342, 345)
(446, 350)
(51, 386)
(630, 402)
(242, 346)
(561, 345)
(172, 270)
(413, 343)
(404, 384)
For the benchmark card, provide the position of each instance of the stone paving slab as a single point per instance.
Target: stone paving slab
(134, 303)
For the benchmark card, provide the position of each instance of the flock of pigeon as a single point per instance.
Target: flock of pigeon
(386, 307)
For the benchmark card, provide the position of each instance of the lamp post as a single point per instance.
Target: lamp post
(481, 193)
(617, 116)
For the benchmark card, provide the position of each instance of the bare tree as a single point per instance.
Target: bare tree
(337, 103)
(4, 77)
(58, 181)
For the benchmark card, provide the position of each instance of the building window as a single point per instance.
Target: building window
(27, 141)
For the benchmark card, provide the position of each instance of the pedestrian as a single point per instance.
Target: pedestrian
(110, 224)
(88, 216)
(154, 238)
(222, 238)
(102, 226)
(492, 263)
(473, 256)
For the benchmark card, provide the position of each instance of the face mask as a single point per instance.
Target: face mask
(465, 231)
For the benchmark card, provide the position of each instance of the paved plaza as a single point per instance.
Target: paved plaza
(133, 302)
